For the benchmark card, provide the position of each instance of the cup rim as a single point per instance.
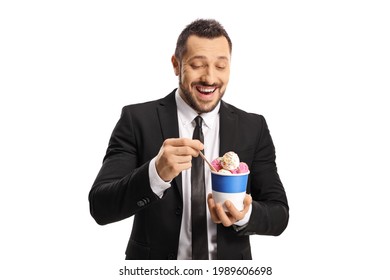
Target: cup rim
(231, 174)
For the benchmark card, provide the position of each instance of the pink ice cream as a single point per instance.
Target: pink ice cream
(243, 167)
(216, 163)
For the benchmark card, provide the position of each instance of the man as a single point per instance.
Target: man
(147, 168)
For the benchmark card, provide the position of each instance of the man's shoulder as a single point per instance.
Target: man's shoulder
(149, 105)
(242, 114)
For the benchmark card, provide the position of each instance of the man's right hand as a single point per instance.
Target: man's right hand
(175, 155)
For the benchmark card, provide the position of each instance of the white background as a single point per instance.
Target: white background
(317, 70)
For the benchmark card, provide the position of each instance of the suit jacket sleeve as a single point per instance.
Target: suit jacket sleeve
(122, 185)
(270, 212)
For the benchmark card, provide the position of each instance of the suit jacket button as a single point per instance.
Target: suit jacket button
(171, 256)
(140, 203)
(178, 211)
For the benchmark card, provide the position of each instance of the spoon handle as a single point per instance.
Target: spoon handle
(208, 163)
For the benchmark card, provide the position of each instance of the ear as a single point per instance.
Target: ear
(176, 65)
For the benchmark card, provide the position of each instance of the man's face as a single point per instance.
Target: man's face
(203, 72)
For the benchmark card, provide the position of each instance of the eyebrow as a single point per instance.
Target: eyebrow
(203, 57)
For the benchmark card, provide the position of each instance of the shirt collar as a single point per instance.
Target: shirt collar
(187, 114)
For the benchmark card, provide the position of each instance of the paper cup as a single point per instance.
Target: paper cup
(230, 187)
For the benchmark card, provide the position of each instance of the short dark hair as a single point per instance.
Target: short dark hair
(204, 28)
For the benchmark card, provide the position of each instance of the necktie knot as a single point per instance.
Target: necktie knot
(198, 133)
(198, 121)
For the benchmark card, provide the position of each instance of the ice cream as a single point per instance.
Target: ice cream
(230, 164)
(230, 161)
(216, 163)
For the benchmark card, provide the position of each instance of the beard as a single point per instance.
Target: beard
(192, 102)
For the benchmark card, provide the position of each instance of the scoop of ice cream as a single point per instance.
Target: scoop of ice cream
(242, 168)
(216, 163)
(224, 171)
(230, 161)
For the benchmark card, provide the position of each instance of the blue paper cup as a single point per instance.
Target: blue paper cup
(230, 187)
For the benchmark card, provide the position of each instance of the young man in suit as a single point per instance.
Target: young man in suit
(147, 168)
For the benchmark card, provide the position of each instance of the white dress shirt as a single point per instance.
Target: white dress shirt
(186, 116)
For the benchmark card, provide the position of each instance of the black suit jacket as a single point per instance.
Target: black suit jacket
(122, 187)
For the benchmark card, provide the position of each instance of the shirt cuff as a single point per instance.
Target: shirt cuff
(244, 221)
(158, 185)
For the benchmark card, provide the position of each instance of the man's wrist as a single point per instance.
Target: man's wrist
(244, 221)
(158, 185)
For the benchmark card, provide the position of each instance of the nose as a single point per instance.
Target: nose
(208, 76)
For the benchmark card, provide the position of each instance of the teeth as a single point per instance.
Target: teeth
(206, 90)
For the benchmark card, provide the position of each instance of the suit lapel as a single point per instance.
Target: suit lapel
(228, 133)
(167, 113)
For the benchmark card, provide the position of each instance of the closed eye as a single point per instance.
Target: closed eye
(197, 66)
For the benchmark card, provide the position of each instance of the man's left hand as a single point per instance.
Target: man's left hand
(218, 214)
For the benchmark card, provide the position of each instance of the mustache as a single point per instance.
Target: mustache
(203, 84)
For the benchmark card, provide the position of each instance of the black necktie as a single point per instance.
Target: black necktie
(200, 249)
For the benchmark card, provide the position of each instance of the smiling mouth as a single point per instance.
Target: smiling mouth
(206, 89)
